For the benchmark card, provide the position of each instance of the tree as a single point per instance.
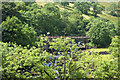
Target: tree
(115, 46)
(100, 32)
(67, 66)
(97, 9)
(74, 23)
(43, 20)
(15, 31)
(18, 60)
(32, 16)
(84, 7)
(64, 3)
(112, 9)
(118, 27)
(33, 62)
(11, 9)
(53, 19)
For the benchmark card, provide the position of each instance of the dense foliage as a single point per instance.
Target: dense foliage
(100, 32)
(97, 9)
(113, 9)
(80, 7)
(101, 66)
(15, 31)
(19, 62)
(11, 9)
(50, 18)
(115, 46)
(24, 62)
(28, 55)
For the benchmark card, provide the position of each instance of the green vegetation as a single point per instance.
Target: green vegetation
(15, 31)
(98, 50)
(109, 17)
(49, 17)
(100, 31)
(115, 46)
(31, 62)
(111, 12)
(27, 53)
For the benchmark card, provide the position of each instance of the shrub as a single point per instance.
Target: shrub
(26, 63)
(115, 46)
(100, 32)
(21, 63)
(15, 31)
(100, 66)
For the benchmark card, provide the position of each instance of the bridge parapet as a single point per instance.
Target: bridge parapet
(74, 37)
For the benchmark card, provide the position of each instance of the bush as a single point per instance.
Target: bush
(100, 66)
(15, 31)
(100, 32)
(69, 68)
(115, 46)
(22, 63)
(27, 63)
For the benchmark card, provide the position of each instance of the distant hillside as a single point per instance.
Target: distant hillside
(71, 7)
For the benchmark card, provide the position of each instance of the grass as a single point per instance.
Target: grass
(71, 5)
(98, 50)
(106, 57)
(67, 8)
(41, 3)
(109, 17)
(113, 19)
(106, 4)
(85, 16)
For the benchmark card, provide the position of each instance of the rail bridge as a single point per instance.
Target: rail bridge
(73, 37)
(84, 39)
(77, 38)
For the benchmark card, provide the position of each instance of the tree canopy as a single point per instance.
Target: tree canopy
(15, 31)
(100, 32)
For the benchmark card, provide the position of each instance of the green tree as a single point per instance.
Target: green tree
(115, 46)
(67, 66)
(53, 19)
(18, 60)
(11, 9)
(15, 31)
(84, 7)
(74, 23)
(21, 63)
(97, 8)
(99, 66)
(112, 9)
(100, 32)
(32, 16)
(43, 20)
(64, 3)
